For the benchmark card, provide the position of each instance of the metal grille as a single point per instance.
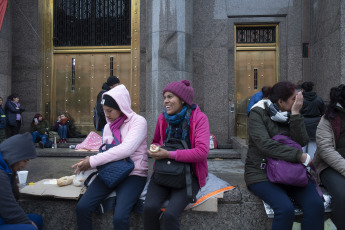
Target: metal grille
(92, 22)
(256, 35)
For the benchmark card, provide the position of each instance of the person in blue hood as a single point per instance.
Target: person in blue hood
(15, 152)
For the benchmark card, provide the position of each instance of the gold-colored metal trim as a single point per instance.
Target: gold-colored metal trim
(255, 48)
(90, 47)
(81, 51)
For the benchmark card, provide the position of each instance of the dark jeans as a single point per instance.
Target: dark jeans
(276, 195)
(335, 184)
(156, 196)
(37, 219)
(62, 131)
(127, 194)
(2, 134)
(13, 130)
(36, 134)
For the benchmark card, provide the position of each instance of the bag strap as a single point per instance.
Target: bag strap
(188, 177)
(87, 180)
(312, 178)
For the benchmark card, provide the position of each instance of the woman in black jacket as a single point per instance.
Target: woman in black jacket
(15, 152)
(14, 114)
(312, 110)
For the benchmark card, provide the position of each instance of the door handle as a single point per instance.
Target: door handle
(255, 78)
(73, 74)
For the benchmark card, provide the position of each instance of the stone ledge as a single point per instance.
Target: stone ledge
(234, 212)
(67, 152)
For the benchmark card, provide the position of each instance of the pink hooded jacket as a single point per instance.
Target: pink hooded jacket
(133, 136)
(199, 134)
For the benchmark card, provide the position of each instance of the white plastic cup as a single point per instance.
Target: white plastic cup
(22, 177)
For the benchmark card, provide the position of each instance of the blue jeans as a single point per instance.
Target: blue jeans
(36, 134)
(127, 194)
(37, 219)
(62, 131)
(277, 196)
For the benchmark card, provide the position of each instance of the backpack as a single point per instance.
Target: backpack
(98, 113)
(48, 144)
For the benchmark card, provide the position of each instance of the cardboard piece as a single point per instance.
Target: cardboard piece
(210, 205)
(48, 187)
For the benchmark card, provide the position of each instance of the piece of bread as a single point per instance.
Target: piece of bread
(66, 180)
(154, 148)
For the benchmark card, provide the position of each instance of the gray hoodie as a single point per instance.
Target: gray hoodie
(16, 148)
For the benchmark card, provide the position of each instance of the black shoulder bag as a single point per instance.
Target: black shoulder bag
(171, 173)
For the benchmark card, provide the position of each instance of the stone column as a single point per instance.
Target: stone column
(169, 51)
(6, 55)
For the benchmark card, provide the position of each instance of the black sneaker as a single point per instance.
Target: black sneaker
(41, 144)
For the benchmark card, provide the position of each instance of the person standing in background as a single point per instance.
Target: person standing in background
(14, 114)
(263, 94)
(2, 122)
(98, 113)
(312, 110)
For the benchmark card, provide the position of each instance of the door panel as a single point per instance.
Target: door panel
(254, 69)
(90, 72)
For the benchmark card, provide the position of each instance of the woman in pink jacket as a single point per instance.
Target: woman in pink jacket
(181, 120)
(130, 129)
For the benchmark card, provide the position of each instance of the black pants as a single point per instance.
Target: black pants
(13, 130)
(156, 196)
(335, 184)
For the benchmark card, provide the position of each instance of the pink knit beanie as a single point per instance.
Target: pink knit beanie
(182, 89)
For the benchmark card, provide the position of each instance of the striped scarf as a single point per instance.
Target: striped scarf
(275, 113)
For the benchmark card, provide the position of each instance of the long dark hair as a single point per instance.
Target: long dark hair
(281, 90)
(336, 95)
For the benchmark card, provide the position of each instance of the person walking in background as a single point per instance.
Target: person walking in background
(312, 110)
(263, 94)
(39, 129)
(330, 153)
(15, 152)
(128, 132)
(181, 120)
(2, 122)
(14, 114)
(281, 114)
(99, 120)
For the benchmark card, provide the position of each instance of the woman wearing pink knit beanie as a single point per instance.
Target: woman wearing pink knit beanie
(181, 137)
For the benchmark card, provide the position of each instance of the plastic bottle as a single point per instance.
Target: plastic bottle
(55, 144)
(211, 142)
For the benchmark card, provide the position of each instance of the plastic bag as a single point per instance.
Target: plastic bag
(81, 177)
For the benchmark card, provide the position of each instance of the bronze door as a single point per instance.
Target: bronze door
(254, 69)
(79, 78)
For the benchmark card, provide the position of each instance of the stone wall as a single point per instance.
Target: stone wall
(26, 57)
(6, 54)
(327, 45)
